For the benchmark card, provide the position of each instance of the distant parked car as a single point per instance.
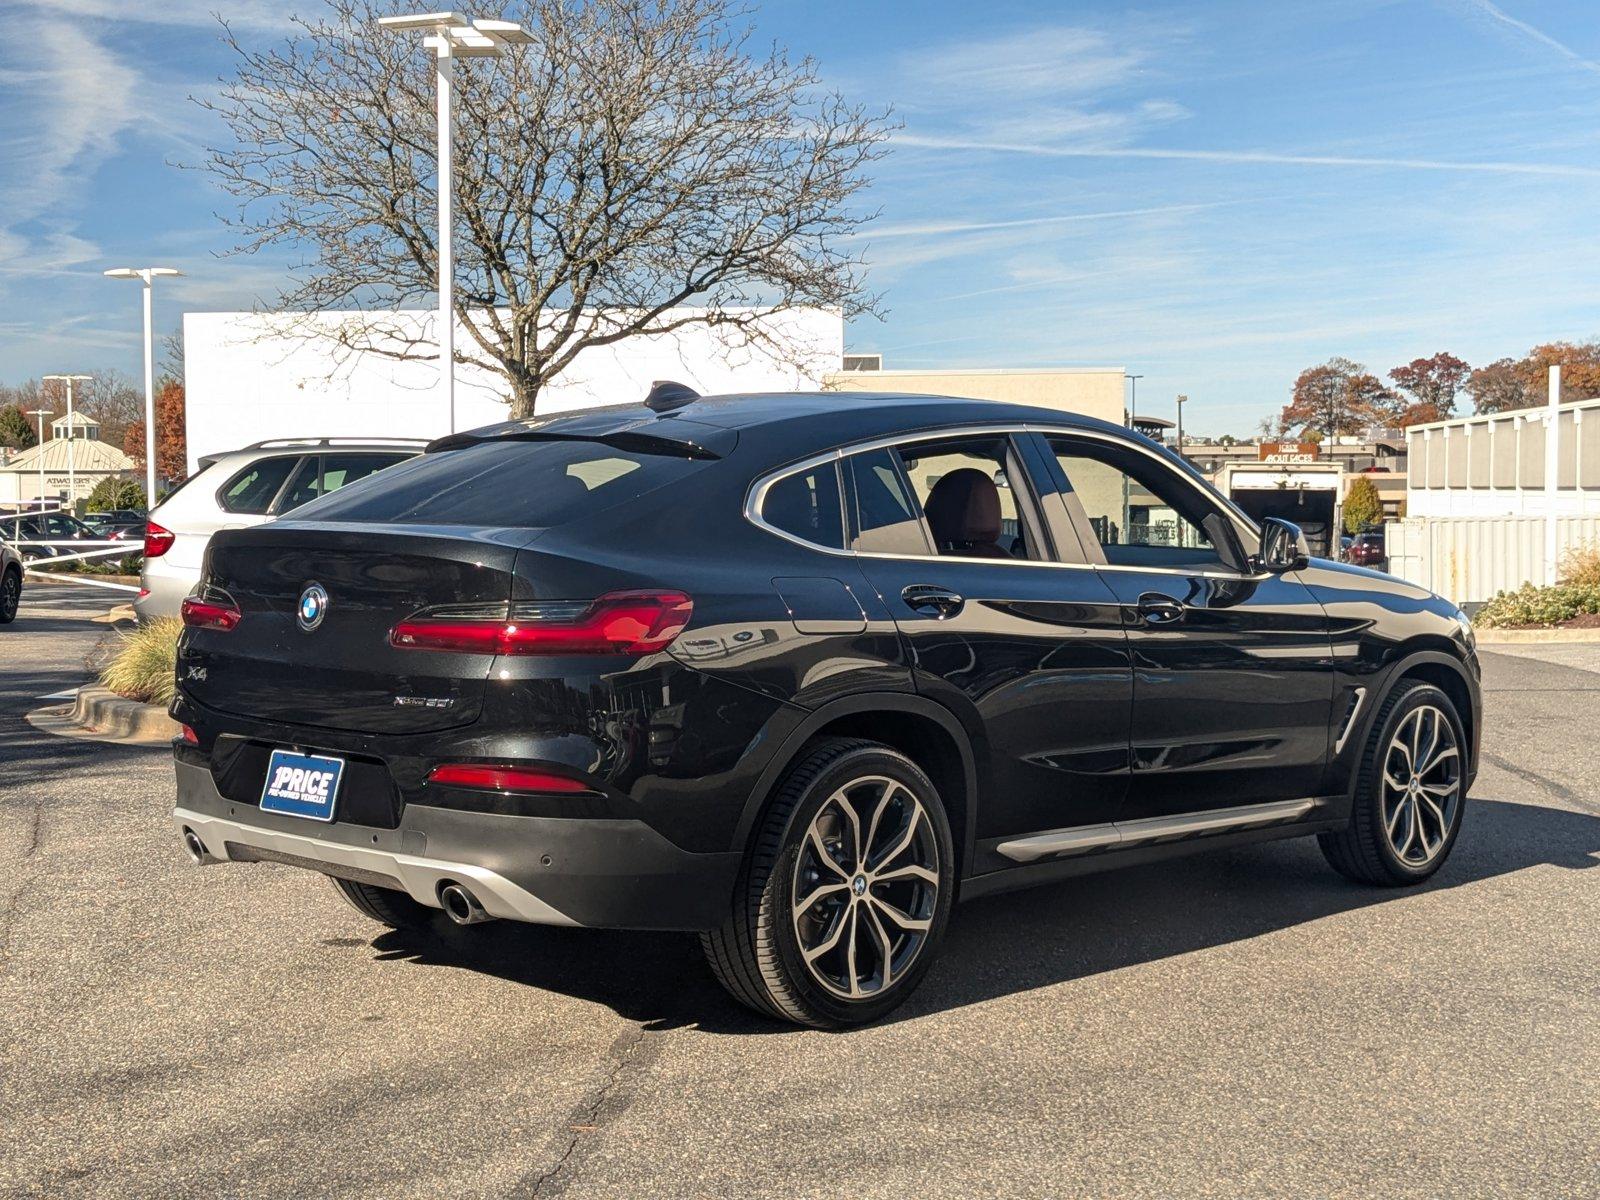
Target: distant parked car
(10, 582)
(117, 525)
(243, 488)
(46, 527)
(1368, 550)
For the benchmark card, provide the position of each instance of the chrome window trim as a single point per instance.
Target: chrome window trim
(757, 494)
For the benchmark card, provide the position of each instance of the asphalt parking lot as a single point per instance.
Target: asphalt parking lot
(1244, 1023)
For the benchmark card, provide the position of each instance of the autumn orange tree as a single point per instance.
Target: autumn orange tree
(1510, 383)
(1338, 398)
(1432, 385)
(172, 445)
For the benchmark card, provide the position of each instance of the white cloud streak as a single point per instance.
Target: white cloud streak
(1497, 14)
(936, 228)
(1262, 158)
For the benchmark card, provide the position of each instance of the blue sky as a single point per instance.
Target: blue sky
(1214, 194)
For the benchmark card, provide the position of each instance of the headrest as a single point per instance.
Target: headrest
(964, 506)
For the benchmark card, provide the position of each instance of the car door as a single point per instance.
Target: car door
(1027, 651)
(1233, 675)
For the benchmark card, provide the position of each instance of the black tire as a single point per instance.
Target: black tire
(10, 594)
(1364, 850)
(757, 953)
(395, 909)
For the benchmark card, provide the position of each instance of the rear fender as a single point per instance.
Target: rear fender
(864, 704)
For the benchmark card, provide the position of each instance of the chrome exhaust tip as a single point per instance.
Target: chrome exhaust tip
(196, 848)
(460, 905)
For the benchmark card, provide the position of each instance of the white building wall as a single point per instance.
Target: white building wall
(249, 380)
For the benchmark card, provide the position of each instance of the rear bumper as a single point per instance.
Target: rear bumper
(546, 870)
(165, 587)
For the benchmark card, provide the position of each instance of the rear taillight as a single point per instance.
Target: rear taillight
(157, 540)
(616, 623)
(505, 779)
(190, 736)
(210, 612)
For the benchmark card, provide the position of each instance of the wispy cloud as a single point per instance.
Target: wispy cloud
(1048, 61)
(968, 145)
(1498, 15)
(935, 228)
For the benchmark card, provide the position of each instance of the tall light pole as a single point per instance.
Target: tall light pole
(1133, 403)
(451, 37)
(1182, 400)
(147, 275)
(72, 473)
(41, 413)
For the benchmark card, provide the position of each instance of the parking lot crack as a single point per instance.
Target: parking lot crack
(629, 1055)
(8, 915)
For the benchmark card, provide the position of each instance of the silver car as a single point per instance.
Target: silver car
(247, 487)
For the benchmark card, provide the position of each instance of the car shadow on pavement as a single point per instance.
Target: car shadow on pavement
(1019, 941)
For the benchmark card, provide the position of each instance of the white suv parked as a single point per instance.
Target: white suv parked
(241, 488)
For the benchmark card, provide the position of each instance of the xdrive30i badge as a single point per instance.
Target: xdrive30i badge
(313, 606)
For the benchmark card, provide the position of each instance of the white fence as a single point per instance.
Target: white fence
(1469, 559)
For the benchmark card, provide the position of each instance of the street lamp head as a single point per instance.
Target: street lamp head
(409, 21)
(68, 378)
(140, 272)
(453, 36)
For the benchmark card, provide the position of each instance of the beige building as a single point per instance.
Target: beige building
(1093, 391)
(74, 459)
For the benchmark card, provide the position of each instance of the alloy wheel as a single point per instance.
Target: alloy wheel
(866, 881)
(10, 594)
(1421, 786)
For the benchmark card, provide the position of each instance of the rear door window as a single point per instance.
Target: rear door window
(886, 518)
(507, 482)
(252, 489)
(326, 473)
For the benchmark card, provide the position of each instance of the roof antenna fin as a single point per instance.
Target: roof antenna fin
(667, 396)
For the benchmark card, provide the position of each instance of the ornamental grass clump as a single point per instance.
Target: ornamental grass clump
(145, 666)
(1580, 566)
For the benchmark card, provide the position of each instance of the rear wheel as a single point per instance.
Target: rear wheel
(395, 909)
(10, 594)
(846, 893)
(1410, 792)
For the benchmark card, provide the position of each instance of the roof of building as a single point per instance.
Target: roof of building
(77, 421)
(85, 454)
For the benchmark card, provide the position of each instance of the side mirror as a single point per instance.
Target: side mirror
(1283, 546)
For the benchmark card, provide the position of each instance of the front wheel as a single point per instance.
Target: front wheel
(846, 892)
(10, 594)
(1410, 792)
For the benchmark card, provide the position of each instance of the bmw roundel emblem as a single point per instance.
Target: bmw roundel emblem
(313, 606)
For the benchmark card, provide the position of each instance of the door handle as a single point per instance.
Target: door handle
(931, 600)
(1157, 609)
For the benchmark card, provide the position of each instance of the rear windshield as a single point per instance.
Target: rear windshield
(503, 483)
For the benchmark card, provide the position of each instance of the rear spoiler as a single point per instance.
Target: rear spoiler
(638, 441)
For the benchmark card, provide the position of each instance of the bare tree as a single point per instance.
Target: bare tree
(635, 159)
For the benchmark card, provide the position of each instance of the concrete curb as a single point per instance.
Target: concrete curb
(1528, 637)
(103, 716)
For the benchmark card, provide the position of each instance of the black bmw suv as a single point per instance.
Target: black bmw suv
(795, 672)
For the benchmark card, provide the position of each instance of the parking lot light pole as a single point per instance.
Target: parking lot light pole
(450, 37)
(1182, 400)
(1133, 401)
(41, 413)
(72, 474)
(147, 275)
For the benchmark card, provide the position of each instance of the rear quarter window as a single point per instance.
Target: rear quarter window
(521, 484)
